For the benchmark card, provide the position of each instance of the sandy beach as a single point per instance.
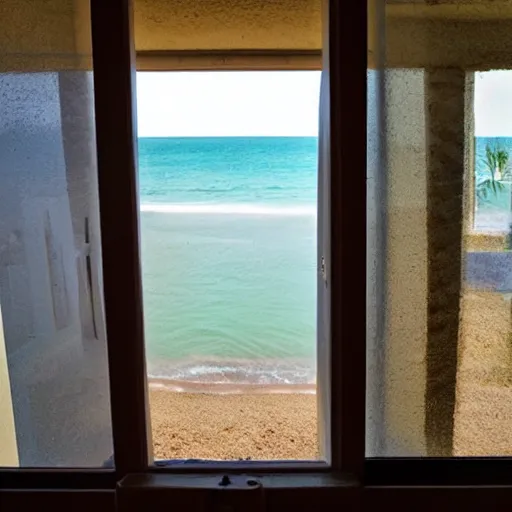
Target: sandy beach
(279, 422)
(233, 426)
(483, 414)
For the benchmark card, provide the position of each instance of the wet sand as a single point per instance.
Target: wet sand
(262, 426)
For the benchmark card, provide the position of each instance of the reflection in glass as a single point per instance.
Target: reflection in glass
(439, 211)
(54, 395)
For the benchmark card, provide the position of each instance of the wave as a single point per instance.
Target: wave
(239, 209)
(234, 372)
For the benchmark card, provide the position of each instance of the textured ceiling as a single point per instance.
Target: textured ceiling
(55, 34)
(227, 24)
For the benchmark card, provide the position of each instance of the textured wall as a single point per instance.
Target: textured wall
(445, 108)
(406, 265)
(36, 26)
(35, 34)
(222, 24)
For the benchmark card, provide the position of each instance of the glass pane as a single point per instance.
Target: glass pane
(54, 395)
(228, 188)
(439, 311)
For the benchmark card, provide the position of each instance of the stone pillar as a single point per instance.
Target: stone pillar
(445, 110)
(404, 254)
(422, 195)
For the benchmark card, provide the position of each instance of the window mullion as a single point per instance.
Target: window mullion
(345, 61)
(114, 83)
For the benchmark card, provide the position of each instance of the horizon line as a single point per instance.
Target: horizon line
(222, 136)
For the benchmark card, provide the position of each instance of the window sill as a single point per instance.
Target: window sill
(152, 481)
(249, 492)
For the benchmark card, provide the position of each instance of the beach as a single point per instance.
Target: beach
(483, 413)
(229, 260)
(228, 238)
(229, 422)
(261, 426)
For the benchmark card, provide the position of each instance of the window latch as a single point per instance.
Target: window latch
(237, 493)
(323, 270)
(187, 492)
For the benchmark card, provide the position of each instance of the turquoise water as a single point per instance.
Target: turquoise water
(495, 212)
(228, 228)
(229, 255)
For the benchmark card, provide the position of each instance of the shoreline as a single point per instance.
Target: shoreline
(229, 388)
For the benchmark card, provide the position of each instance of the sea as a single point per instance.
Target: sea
(228, 230)
(494, 213)
(228, 233)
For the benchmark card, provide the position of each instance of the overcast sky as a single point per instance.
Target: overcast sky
(277, 103)
(228, 103)
(493, 104)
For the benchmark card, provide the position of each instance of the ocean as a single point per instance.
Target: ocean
(228, 229)
(228, 232)
(494, 213)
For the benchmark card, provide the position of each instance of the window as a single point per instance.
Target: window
(228, 186)
(439, 328)
(347, 479)
(491, 216)
(54, 391)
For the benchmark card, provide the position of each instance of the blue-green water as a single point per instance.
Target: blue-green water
(229, 255)
(493, 213)
(229, 258)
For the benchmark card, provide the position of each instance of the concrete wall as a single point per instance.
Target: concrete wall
(412, 363)
(397, 264)
(425, 165)
(406, 264)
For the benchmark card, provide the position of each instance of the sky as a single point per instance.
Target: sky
(256, 103)
(493, 104)
(279, 103)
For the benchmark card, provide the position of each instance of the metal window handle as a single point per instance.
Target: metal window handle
(232, 495)
(323, 269)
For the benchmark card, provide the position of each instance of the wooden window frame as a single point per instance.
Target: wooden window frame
(350, 480)
(229, 60)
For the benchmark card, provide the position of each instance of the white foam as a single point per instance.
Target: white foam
(235, 371)
(239, 209)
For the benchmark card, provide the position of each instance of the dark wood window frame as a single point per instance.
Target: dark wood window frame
(229, 60)
(350, 480)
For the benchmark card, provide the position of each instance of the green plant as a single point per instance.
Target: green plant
(496, 162)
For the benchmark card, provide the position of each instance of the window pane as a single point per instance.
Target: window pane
(228, 187)
(54, 395)
(439, 311)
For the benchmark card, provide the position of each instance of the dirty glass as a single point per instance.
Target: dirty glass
(54, 394)
(439, 212)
